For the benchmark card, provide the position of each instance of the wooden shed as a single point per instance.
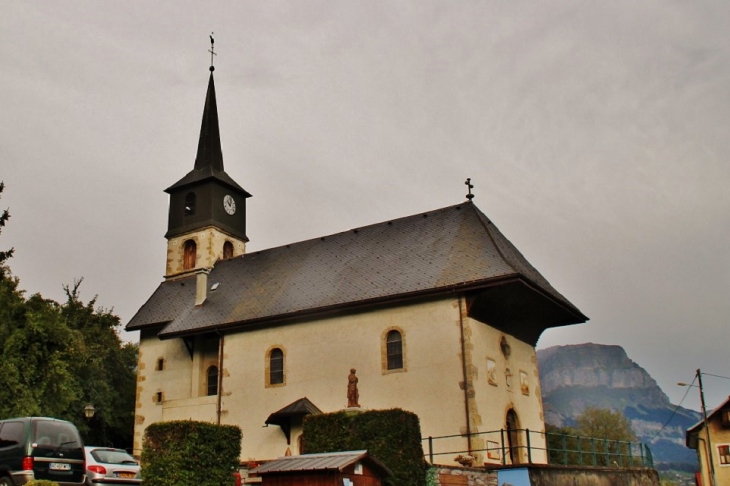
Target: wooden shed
(350, 468)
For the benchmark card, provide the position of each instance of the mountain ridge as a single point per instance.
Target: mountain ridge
(574, 377)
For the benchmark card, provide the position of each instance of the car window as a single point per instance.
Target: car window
(52, 437)
(11, 434)
(110, 456)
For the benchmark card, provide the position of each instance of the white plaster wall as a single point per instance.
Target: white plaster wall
(174, 381)
(493, 402)
(318, 357)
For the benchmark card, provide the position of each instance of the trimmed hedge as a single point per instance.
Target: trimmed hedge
(41, 482)
(190, 453)
(391, 436)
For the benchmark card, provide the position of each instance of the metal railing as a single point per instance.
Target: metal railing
(523, 446)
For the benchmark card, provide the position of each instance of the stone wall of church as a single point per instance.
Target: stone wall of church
(318, 356)
(504, 377)
(209, 242)
(164, 374)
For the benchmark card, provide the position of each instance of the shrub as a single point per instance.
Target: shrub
(190, 453)
(41, 482)
(391, 436)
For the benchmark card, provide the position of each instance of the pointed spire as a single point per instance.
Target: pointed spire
(209, 160)
(209, 144)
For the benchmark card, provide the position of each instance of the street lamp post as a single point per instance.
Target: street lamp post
(707, 428)
(89, 411)
(708, 443)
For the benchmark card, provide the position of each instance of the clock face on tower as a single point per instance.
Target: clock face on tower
(229, 204)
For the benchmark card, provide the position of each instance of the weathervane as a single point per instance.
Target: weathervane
(468, 183)
(212, 53)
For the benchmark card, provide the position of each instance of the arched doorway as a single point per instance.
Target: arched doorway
(513, 436)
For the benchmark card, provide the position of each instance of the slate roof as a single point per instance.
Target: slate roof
(329, 461)
(299, 408)
(454, 248)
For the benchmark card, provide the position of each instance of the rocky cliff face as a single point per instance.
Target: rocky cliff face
(597, 366)
(578, 376)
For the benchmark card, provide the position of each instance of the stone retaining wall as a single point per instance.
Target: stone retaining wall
(465, 476)
(548, 476)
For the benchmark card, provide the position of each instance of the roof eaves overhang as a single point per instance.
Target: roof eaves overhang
(474, 286)
(197, 176)
(147, 325)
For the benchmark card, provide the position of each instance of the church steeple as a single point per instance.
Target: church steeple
(209, 144)
(207, 217)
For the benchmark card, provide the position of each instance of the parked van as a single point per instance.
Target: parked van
(40, 448)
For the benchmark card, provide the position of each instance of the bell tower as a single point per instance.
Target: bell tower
(207, 214)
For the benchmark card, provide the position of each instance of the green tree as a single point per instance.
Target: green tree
(611, 433)
(4, 255)
(55, 359)
(601, 437)
(107, 367)
(37, 349)
(602, 423)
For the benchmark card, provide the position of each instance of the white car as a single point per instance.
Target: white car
(108, 466)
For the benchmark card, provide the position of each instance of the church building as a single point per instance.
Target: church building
(435, 313)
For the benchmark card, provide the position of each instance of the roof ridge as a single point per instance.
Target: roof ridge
(355, 229)
(486, 222)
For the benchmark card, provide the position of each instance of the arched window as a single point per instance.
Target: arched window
(227, 250)
(393, 351)
(189, 255)
(189, 203)
(213, 380)
(276, 367)
(394, 345)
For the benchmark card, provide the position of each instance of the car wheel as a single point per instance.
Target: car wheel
(5, 481)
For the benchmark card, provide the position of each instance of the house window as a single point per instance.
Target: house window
(227, 250)
(275, 367)
(212, 380)
(160, 364)
(189, 255)
(394, 345)
(393, 350)
(189, 204)
(724, 452)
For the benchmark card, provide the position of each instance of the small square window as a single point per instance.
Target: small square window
(724, 452)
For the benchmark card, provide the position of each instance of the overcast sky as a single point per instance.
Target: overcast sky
(596, 134)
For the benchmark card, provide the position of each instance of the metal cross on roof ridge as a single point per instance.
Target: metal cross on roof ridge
(468, 183)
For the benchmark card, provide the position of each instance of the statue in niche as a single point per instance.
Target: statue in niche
(352, 394)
